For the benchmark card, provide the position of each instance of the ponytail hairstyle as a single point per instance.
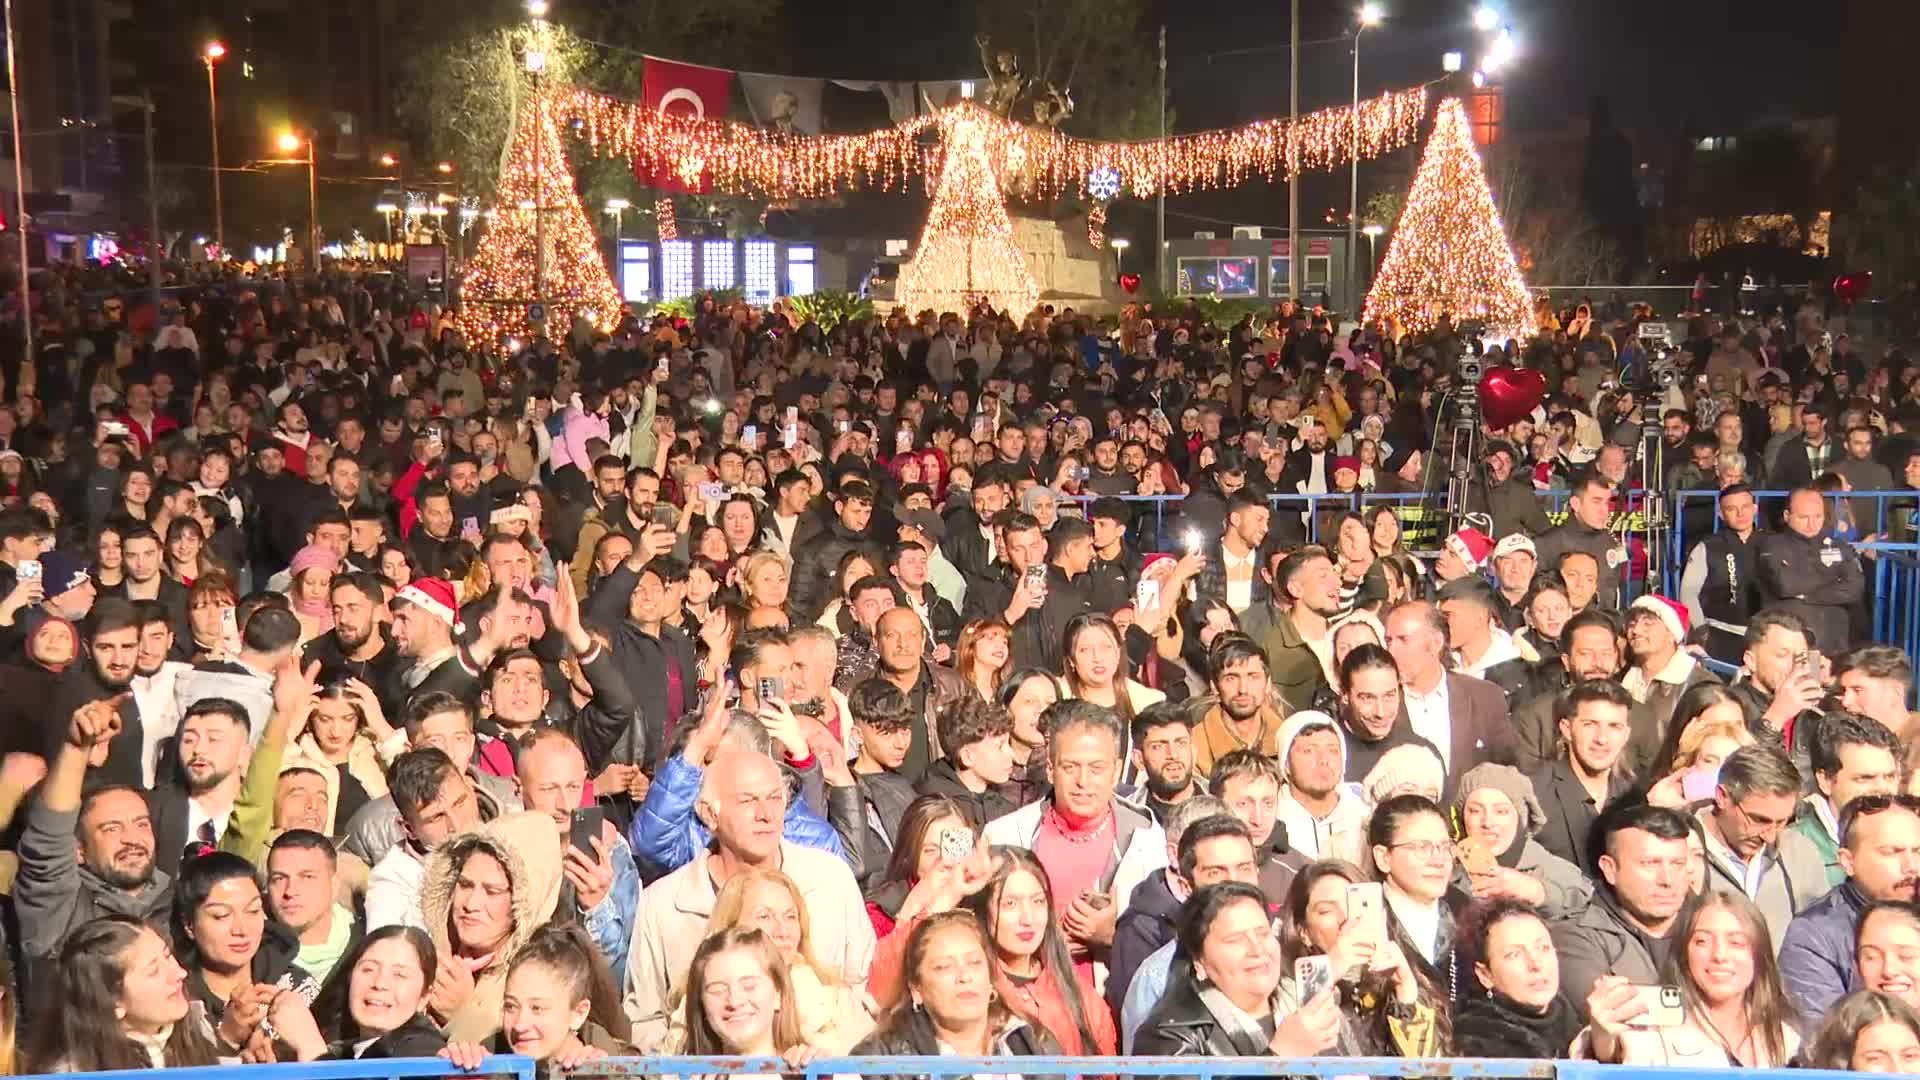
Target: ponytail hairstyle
(565, 950)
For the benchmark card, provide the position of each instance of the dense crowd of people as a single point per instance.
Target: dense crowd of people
(735, 685)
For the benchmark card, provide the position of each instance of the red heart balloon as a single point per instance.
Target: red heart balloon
(1853, 287)
(1509, 393)
(1130, 282)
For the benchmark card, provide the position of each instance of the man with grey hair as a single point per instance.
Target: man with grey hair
(1155, 904)
(667, 832)
(743, 800)
(1750, 850)
(1083, 748)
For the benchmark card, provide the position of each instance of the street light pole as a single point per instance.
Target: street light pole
(1369, 15)
(1293, 158)
(19, 193)
(154, 248)
(1160, 222)
(215, 51)
(313, 208)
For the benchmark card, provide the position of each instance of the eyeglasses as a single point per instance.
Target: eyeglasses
(1425, 849)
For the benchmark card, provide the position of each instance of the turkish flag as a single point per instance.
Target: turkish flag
(689, 90)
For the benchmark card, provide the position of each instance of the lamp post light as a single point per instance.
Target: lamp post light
(618, 208)
(1370, 15)
(386, 210)
(1120, 244)
(213, 52)
(289, 143)
(1372, 232)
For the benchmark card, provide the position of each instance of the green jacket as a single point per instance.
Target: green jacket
(1292, 665)
(1809, 825)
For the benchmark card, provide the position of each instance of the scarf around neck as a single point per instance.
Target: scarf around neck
(1249, 1035)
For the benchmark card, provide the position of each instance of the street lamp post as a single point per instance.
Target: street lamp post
(386, 210)
(1120, 244)
(19, 191)
(211, 53)
(289, 144)
(1372, 232)
(1370, 15)
(618, 208)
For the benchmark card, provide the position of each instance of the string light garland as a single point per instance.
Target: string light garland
(1039, 163)
(1449, 254)
(499, 283)
(1097, 226)
(665, 223)
(967, 253)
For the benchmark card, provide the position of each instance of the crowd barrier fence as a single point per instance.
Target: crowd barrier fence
(516, 1066)
(1893, 568)
(952, 1067)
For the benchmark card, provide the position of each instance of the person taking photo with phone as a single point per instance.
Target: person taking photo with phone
(1718, 1002)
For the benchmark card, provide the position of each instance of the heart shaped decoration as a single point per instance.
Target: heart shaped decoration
(1509, 393)
(1130, 282)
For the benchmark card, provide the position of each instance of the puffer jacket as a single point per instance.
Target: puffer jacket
(813, 567)
(1816, 952)
(529, 848)
(666, 835)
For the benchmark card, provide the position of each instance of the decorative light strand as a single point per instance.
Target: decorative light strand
(967, 253)
(1097, 226)
(1036, 162)
(1449, 254)
(664, 222)
(499, 283)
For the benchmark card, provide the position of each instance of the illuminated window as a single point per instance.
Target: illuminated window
(1279, 276)
(800, 270)
(676, 269)
(1219, 277)
(716, 264)
(763, 275)
(636, 273)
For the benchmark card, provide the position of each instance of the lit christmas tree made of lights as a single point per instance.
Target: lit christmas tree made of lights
(967, 252)
(1449, 254)
(499, 283)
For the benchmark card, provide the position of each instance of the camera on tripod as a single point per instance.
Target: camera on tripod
(1471, 368)
(1663, 373)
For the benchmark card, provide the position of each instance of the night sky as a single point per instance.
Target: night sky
(1668, 67)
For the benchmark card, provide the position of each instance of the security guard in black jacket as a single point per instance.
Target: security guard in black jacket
(1719, 581)
(1803, 569)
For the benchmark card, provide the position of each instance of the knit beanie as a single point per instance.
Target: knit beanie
(1510, 782)
(1403, 767)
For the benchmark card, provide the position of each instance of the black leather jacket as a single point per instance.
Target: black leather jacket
(1181, 1026)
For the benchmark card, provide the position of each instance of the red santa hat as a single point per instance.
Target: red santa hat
(1472, 546)
(1669, 612)
(435, 597)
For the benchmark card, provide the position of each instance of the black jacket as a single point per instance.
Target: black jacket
(943, 779)
(815, 562)
(335, 666)
(417, 1037)
(1145, 925)
(273, 965)
(1182, 1026)
(643, 659)
(1818, 579)
(887, 796)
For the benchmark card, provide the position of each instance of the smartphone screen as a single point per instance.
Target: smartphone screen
(1366, 909)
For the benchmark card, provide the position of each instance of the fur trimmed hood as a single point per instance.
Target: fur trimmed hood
(528, 845)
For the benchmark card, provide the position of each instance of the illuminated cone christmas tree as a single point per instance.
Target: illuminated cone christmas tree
(499, 282)
(967, 251)
(1449, 254)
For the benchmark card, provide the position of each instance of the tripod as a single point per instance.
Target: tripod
(1466, 443)
(1649, 381)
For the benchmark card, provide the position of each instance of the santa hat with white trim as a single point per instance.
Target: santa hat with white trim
(435, 597)
(1472, 546)
(1671, 615)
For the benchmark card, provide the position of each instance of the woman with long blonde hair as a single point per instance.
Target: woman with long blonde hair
(828, 1014)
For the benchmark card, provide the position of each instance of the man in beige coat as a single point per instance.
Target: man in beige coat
(743, 803)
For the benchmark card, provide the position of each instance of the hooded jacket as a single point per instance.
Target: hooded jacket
(1339, 834)
(529, 848)
(1145, 925)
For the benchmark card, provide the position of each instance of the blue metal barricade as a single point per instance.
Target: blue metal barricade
(1201, 1068)
(514, 1065)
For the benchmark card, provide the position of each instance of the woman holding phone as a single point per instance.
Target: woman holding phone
(1720, 1004)
(1330, 938)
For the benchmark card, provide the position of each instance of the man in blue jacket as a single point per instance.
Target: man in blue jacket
(1880, 851)
(665, 833)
